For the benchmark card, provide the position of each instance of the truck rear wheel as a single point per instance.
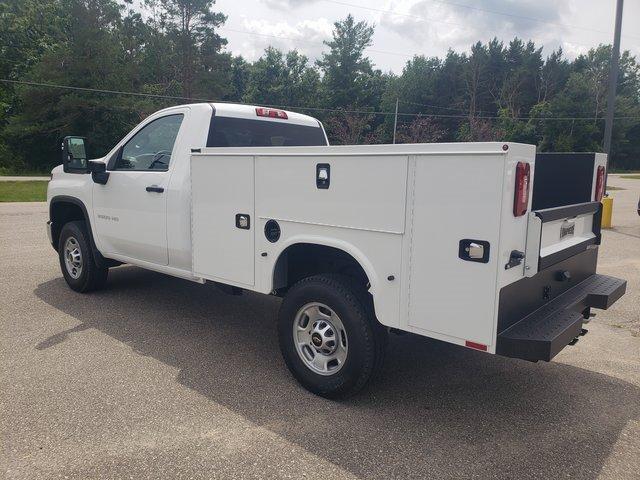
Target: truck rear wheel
(329, 338)
(76, 259)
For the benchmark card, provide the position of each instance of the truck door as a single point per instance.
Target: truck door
(223, 220)
(130, 210)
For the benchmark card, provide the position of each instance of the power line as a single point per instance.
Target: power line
(192, 99)
(490, 117)
(479, 9)
(98, 90)
(382, 10)
(434, 106)
(298, 107)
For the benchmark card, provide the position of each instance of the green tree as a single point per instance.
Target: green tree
(173, 47)
(583, 98)
(279, 79)
(28, 30)
(347, 72)
(419, 130)
(476, 79)
(239, 79)
(519, 89)
(349, 128)
(553, 76)
(191, 26)
(88, 55)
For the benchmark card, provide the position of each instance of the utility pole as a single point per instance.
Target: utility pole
(395, 122)
(613, 80)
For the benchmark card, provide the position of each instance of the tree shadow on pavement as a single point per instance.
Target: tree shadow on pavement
(437, 410)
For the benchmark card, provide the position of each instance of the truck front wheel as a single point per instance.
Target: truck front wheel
(76, 259)
(330, 340)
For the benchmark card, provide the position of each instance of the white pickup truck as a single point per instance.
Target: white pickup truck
(459, 242)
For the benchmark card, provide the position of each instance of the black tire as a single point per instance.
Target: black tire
(366, 337)
(90, 277)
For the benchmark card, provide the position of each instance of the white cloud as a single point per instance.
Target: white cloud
(428, 27)
(440, 25)
(305, 36)
(278, 4)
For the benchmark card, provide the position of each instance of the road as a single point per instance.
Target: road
(155, 377)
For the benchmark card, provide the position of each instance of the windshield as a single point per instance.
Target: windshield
(244, 132)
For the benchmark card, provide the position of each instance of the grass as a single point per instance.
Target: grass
(623, 172)
(10, 172)
(614, 188)
(633, 177)
(27, 191)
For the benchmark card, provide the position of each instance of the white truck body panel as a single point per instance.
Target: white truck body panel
(439, 221)
(389, 207)
(366, 193)
(222, 188)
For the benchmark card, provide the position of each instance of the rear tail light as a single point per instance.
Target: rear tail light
(475, 345)
(600, 183)
(521, 199)
(271, 113)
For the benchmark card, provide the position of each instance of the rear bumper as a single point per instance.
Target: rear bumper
(541, 334)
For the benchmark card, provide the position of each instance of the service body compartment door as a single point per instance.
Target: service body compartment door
(222, 216)
(455, 199)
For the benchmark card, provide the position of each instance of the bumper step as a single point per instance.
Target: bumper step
(543, 333)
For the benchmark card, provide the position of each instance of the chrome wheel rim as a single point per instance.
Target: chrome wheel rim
(320, 339)
(73, 258)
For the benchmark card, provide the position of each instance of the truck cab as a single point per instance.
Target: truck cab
(489, 246)
(140, 213)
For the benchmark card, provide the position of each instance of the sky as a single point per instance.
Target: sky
(404, 28)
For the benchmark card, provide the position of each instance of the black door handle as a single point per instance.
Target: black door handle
(154, 188)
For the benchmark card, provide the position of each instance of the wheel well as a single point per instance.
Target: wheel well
(303, 260)
(61, 213)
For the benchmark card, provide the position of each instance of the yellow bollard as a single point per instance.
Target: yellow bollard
(607, 210)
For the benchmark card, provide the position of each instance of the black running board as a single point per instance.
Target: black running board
(543, 333)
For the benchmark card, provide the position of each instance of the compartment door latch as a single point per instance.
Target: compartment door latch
(323, 175)
(243, 221)
(515, 259)
(474, 250)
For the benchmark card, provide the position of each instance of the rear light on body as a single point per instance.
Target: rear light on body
(271, 113)
(475, 345)
(521, 197)
(600, 183)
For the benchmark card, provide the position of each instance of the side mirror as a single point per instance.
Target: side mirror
(74, 155)
(99, 172)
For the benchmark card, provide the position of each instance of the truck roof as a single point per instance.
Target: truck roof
(240, 110)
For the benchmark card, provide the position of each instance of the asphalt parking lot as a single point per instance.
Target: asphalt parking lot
(155, 377)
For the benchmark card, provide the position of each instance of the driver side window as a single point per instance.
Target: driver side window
(151, 147)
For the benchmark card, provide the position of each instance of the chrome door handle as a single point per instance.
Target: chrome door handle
(155, 188)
